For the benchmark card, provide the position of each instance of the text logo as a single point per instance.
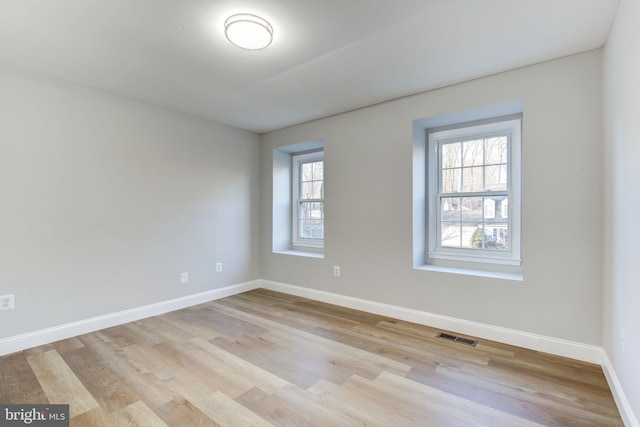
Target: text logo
(34, 415)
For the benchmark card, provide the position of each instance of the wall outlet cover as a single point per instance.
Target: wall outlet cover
(7, 302)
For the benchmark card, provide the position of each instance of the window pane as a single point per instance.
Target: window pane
(451, 155)
(502, 208)
(476, 241)
(318, 170)
(472, 209)
(311, 220)
(311, 210)
(306, 190)
(489, 208)
(450, 234)
(496, 178)
(496, 236)
(311, 229)
(496, 150)
(451, 179)
(318, 189)
(306, 173)
(311, 180)
(450, 208)
(473, 153)
(472, 179)
(468, 232)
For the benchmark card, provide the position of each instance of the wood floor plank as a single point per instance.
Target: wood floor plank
(18, 383)
(302, 341)
(277, 411)
(565, 412)
(229, 413)
(191, 329)
(276, 359)
(337, 313)
(164, 330)
(96, 417)
(181, 412)
(362, 409)
(331, 397)
(554, 368)
(148, 360)
(38, 350)
(292, 406)
(222, 323)
(239, 369)
(575, 390)
(442, 351)
(448, 407)
(129, 334)
(60, 384)
(137, 414)
(350, 358)
(264, 358)
(106, 387)
(67, 345)
(507, 402)
(189, 374)
(212, 371)
(139, 375)
(282, 315)
(316, 412)
(412, 353)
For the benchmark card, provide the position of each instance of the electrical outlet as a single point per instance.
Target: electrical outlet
(218, 267)
(184, 278)
(336, 271)
(6, 302)
(623, 338)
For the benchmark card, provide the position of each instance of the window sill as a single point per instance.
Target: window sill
(456, 257)
(302, 253)
(469, 272)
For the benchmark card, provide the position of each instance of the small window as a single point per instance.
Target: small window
(308, 199)
(474, 192)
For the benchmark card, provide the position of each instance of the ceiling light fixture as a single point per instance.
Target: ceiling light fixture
(248, 31)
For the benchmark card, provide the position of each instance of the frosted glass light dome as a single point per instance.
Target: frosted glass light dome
(248, 31)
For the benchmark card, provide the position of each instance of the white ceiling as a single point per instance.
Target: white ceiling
(327, 57)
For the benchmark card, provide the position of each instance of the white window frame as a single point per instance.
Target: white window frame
(512, 127)
(297, 160)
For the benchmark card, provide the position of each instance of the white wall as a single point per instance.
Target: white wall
(368, 191)
(622, 200)
(105, 201)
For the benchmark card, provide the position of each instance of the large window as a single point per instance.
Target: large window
(474, 192)
(308, 199)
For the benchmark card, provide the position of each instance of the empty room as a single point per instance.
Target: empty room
(319, 213)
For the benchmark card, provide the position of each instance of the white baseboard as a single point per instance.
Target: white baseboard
(574, 350)
(56, 333)
(559, 347)
(571, 349)
(628, 417)
(556, 346)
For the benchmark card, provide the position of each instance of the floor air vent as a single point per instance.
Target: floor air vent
(454, 338)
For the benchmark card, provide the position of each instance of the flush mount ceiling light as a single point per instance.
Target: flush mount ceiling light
(248, 31)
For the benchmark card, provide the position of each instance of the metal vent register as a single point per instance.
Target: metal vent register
(454, 338)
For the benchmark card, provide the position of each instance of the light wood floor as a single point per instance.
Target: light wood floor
(263, 358)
